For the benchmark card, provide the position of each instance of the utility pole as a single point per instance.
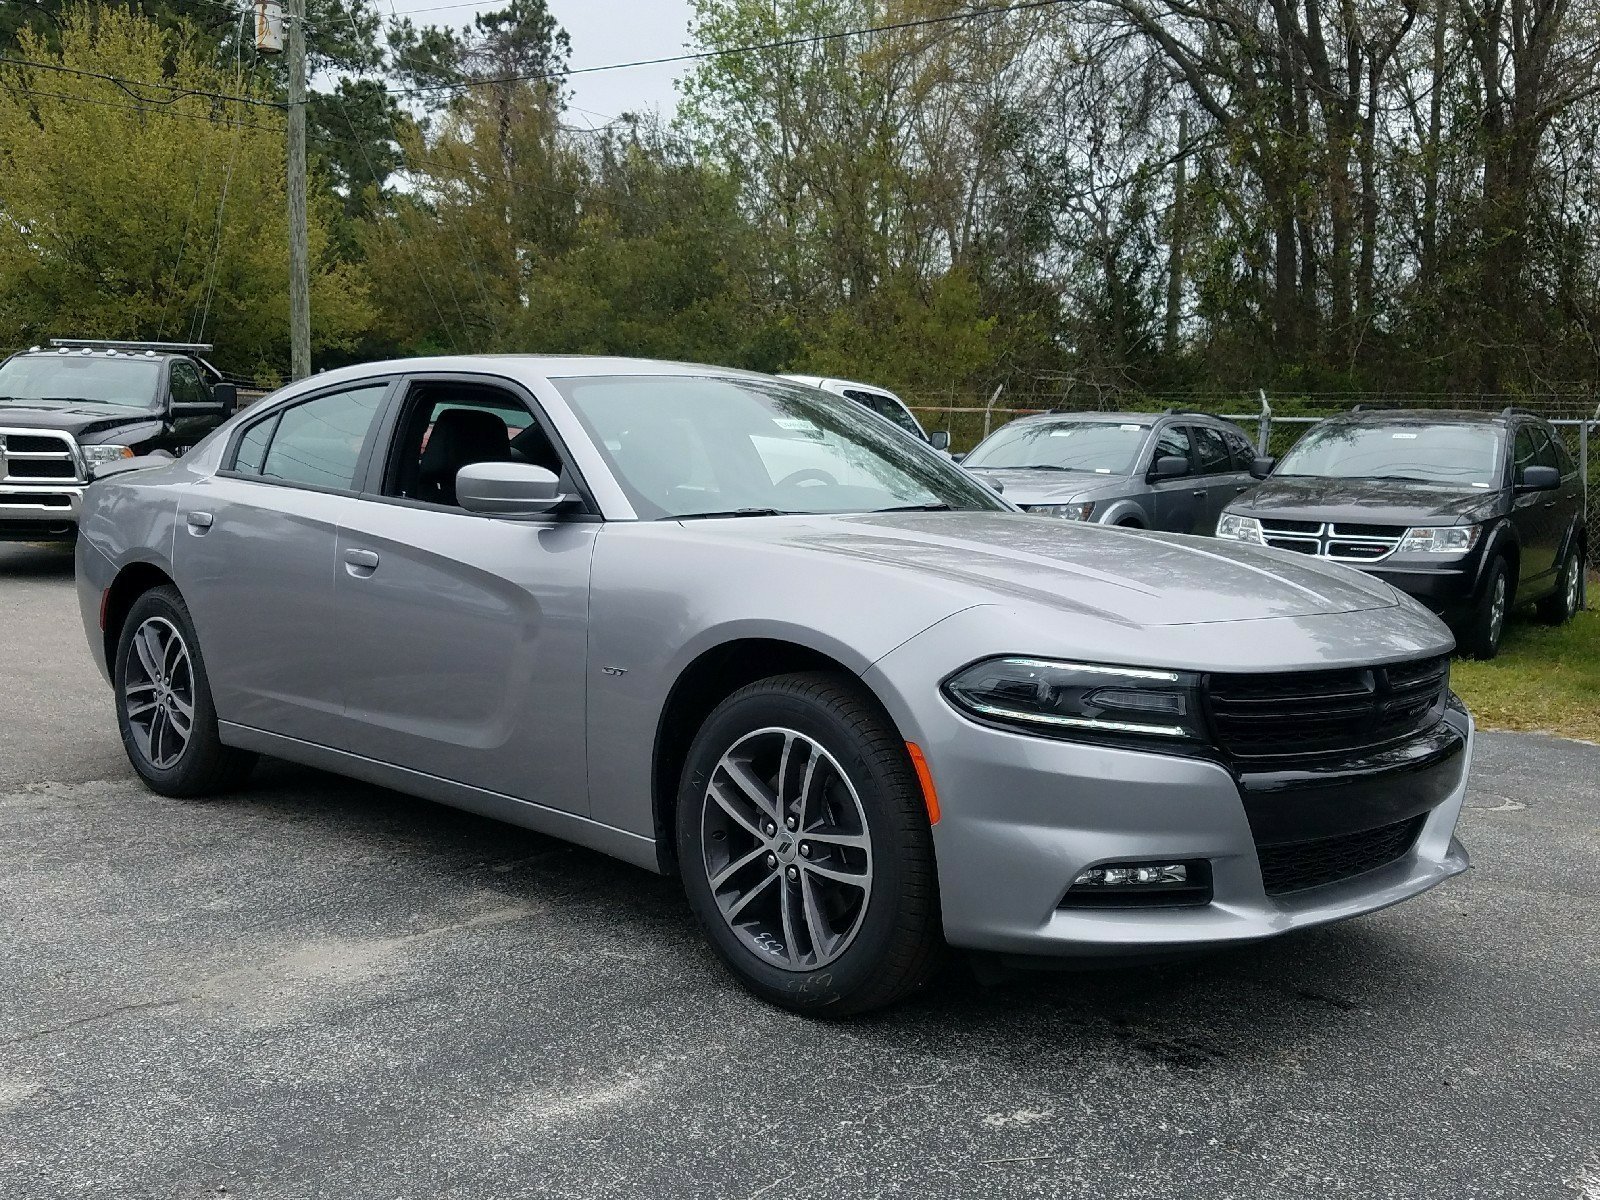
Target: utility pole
(1180, 188)
(299, 252)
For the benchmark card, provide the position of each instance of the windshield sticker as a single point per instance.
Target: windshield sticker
(1102, 470)
(1404, 436)
(1131, 428)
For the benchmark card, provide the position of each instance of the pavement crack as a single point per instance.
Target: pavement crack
(141, 1006)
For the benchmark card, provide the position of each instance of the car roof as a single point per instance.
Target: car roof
(1430, 416)
(1122, 418)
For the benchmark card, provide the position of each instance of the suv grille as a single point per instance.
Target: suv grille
(1311, 713)
(1341, 542)
(29, 457)
(1296, 866)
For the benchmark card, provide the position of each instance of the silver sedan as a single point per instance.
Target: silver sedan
(732, 628)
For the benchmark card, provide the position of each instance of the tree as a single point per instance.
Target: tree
(162, 217)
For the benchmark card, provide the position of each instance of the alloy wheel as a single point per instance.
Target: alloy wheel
(1497, 609)
(158, 692)
(1574, 583)
(786, 849)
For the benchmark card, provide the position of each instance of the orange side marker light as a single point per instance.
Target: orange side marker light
(930, 795)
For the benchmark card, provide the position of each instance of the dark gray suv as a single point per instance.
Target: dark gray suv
(1175, 471)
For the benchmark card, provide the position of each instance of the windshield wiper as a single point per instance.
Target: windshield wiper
(914, 508)
(732, 512)
(1033, 467)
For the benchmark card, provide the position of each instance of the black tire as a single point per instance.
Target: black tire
(1130, 523)
(897, 940)
(202, 766)
(1561, 605)
(1485, 628)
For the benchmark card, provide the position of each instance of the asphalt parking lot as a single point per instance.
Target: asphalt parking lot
(322, 989)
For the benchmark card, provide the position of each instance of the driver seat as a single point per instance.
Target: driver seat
(460, 437)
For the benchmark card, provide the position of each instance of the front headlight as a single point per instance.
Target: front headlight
(95, 455)
(1450, 539)
(1060, 699)
(1067, 512)
(1240, 529)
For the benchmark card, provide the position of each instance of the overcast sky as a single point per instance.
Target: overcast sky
(602, 31)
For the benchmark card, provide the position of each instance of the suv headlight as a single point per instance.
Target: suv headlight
(1449, 539)
(1060, 699)
(95, 455)
(1067, 512)
(1240, 529)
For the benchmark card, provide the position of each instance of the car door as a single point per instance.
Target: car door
(1176, 503)
(193, 413)
(1557, 504)
(1214, 472)
(462, 639)
(254, 555)
(1533, 514)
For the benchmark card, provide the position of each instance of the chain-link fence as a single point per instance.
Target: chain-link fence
(1275, 424)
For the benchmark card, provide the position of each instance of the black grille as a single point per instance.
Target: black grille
(41, 468)
(1314, 713)
(1295, 866)
(1277, 525)
(33, 443)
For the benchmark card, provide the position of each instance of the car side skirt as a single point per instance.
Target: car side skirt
(569, 827)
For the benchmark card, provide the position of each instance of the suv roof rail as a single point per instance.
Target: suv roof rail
(1170, 411)
(1511, 410)
(116, 344)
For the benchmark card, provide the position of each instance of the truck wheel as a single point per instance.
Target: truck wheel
(164, 709)
(1561, 605)
(1487, 624)
(805, 847)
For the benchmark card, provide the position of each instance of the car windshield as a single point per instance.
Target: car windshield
(1463, 455)
(1104, 447)
(718, 446)
(75, 378)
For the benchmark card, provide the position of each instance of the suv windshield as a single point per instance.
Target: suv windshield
(1104, 447)
(66, 378)
(685, 446)
(1463, 455)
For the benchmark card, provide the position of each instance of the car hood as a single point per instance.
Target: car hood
(1021, 486)
(1124, 576)
(78, 419)
(1367, 501)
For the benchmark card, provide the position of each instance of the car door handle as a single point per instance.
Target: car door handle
(361, 563)
(1199, 494)
(1243, 487)
(198, 522)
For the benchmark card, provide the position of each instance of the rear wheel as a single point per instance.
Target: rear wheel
(805, 847)
(164, 709)
(1487, 624)
(1561, 605)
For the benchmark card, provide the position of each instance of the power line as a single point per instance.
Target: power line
(704, 55)
(127, 85)
(154, 110)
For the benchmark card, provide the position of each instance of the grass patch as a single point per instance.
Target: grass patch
(1544, 679)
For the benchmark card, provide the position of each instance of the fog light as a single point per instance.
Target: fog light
(1139, 874)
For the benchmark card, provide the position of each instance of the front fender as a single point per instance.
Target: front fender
(1121, 510)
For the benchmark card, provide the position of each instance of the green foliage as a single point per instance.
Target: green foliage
(124, 220)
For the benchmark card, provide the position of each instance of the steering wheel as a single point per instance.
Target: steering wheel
(808, 475)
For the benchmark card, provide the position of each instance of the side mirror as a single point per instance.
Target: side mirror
(1169, 466)
(1539, 479)
(939, 439)
(508, 489)
(958, 457)
(227, 395)
(1261, 466)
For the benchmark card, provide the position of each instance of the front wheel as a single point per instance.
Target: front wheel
(805, 847)
(164, 709)
(1487, 624)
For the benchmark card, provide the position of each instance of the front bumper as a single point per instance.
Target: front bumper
(1023, 815)
(1447, 590)
(40, 512)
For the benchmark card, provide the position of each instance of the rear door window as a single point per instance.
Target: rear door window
(317, 443)
(1211, 452)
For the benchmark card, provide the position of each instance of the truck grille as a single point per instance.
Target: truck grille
(1314, 713)
(1340, 541)
(1295, 866)
(32, 456)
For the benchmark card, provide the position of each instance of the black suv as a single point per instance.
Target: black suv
(81, 404)
(1468, 512)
